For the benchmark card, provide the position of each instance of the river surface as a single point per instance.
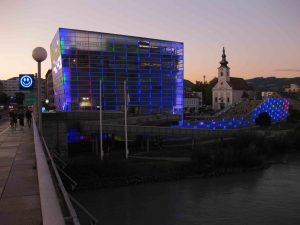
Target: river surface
(271, 196)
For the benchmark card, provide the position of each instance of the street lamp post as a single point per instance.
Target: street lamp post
(39, 54)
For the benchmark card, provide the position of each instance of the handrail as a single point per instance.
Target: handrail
(67, 176)
(67, 197)
(50, 207)
(55, 155)
(62, 188)
(94, 220)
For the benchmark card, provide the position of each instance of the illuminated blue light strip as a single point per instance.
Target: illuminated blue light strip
(277, 108)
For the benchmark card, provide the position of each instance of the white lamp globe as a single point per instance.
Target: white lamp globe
(39, 54)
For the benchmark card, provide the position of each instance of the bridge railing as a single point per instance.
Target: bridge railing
(163, 131)
(52, 188)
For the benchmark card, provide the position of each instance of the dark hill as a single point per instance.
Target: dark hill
(262, 83)
(272, 83)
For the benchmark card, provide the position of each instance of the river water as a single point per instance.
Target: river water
(271, 196)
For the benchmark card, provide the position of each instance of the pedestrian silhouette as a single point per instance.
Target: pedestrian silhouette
(14, 120)
(21, 119)
(28, 117)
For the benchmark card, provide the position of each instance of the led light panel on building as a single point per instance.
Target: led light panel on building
(152, 69)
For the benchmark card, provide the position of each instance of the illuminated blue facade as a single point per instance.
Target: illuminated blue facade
(153, 70)
(277, 108)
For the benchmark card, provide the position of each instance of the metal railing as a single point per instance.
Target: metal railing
(66, 197)
(50, 206)
(64, 193)
(73, 182)
(93, 220)
(56, 156)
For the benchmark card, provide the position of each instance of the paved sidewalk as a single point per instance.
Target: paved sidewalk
(19, 192)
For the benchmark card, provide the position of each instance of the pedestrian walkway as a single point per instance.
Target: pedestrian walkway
(19, 191)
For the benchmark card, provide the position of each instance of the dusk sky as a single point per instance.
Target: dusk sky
(261, 38)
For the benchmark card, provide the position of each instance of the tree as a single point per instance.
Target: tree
(4, 99)
(206, 89)
(293, 115)
(20, 96)
(263, 119)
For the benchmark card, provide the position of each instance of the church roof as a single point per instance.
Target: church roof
(239, 84)
(224, 62)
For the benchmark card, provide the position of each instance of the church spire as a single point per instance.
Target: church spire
(224, 61)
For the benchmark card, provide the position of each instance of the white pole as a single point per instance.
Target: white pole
(39, 98)
(36, 98)
(125, 114)
(39, 54)
(100, 128)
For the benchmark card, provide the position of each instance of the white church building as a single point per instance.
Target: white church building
(229, 90)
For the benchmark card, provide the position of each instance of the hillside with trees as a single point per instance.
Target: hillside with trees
(272, 83)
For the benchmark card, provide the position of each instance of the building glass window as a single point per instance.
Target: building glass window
(152, 69)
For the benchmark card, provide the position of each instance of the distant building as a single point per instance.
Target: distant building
(49, 93)
(192, 102)
(43, 89)
(1, 87)
(229, 90)
(268, 94)
(295, 88)
(11, 86)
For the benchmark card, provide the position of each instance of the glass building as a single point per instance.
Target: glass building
(152, 68)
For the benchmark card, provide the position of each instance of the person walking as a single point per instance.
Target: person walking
(14, 120)
(11, 114)
(28, 115)
(21, 119)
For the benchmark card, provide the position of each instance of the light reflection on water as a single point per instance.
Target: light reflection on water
(264, 197)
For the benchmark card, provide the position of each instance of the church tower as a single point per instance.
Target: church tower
(223, 70)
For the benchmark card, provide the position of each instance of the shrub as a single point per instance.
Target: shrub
(245, 139)
(277, 145)
(249, 157)
(243, 152)
(203, 157)
(294, 138)
(293, 115)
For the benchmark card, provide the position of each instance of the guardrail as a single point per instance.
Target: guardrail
(49, 195)
(51, 209)
(163, 131)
